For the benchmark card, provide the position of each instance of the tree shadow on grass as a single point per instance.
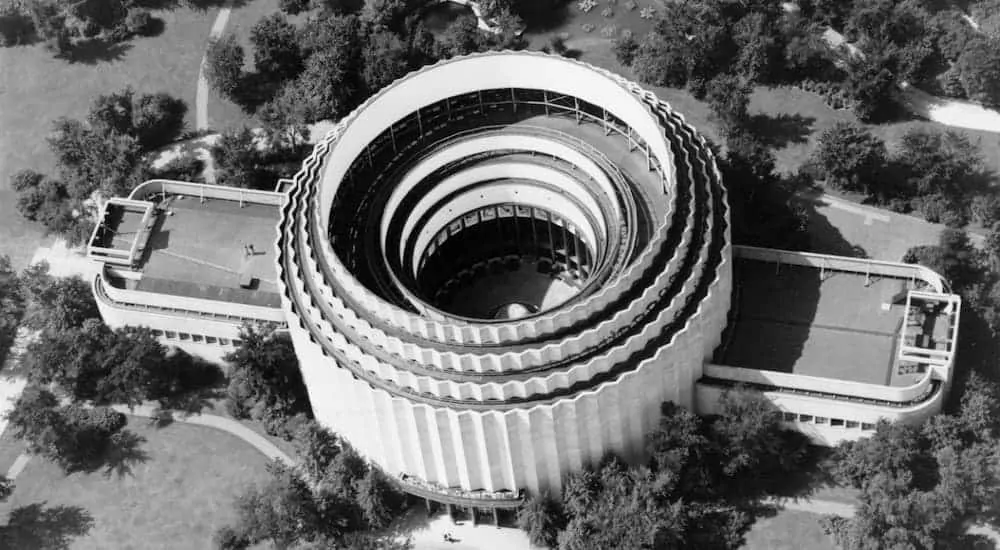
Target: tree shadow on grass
(37, 527)
(121, 453)
(196, 383)
(97, 50)
(781, 130)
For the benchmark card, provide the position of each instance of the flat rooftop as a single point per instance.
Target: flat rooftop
(799, 320)
(196, 249)
(127, 223)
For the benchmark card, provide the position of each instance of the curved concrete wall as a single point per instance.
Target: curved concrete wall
(510, 406)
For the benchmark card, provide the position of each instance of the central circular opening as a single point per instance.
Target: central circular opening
(504, 262)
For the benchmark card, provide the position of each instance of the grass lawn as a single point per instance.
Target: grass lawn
(36, 88)
(788, 530)
(176, 499)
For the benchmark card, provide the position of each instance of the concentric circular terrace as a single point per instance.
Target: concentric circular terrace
(500, 266)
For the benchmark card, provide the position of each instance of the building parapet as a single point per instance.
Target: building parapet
(842, 263)
(179, 305)
(817, 384)
(150, 188)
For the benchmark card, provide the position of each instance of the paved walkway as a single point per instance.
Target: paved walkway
(228, 425)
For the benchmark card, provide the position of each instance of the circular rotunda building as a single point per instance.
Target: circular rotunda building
(497, 268)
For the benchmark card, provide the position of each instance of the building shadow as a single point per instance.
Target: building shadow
(540, 17)
(39, 527)
(781, 130)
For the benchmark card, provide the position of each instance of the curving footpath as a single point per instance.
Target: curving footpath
(228, 425)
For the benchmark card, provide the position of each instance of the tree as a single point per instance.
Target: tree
(11, 305)
(919, 486)
(43, 200)
(764, 210)
(389, 14)
(953, 257)
(729, 97)
(265, 381)
(157, 119)
(73, 436)
(851, 158)
(760, 47)
(315, 447)
(378, 498)
(462, 37)
(541, 517)
(282, 511)
(979, 67)
(286, 117)
(945, 163)
(224, 66)
(327, 89)
(754, 446)
(385, 60)
(96, 363)
(872, 85)
(6, 487)
(56, 303)
(91, 160)
(239, 160)
(276, 51)
(625, 48)
(112, 112)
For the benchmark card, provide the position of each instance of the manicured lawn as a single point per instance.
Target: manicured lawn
(789, 530)
(176, 499)
(36, 88)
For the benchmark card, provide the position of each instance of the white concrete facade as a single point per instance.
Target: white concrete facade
(424, 397)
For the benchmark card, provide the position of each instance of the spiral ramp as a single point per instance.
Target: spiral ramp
(497, 268)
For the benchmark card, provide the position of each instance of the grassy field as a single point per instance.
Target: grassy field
(177, 498)
(789, 530)
(36, 88)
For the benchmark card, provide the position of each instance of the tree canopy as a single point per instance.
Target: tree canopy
(697, 491)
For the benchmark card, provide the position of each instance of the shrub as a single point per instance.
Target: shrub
(228, 538)
(293, 7)
(586, 5)
(631, 5)
(158, 119)
(183, 168)
(625, 48)
(15, 28)
(587, 27)
(955, 217)
(607, 13)
(950, 83)
(899, 205)
(139, 22)
(609, 31)
(557, 45)
(985, 209)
